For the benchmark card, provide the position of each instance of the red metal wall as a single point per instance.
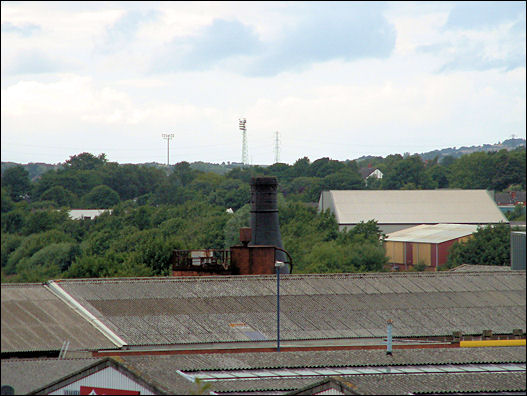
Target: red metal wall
(444, 248)
(409, 253)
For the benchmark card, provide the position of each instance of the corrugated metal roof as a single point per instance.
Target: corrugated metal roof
(432, 233)
(475, 267)
(34, 319)
(201, 309)
(483, 383)
(160, 369)
(26, 375)
(414, 206)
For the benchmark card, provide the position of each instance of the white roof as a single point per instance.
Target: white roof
(436, 233)
(77, 214)
(413, 206)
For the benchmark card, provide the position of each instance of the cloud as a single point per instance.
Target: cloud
(220, 40)
(346, 31)
(24, 30)
(482, 36)
(34, 62)
(475, 15)
(123, 31)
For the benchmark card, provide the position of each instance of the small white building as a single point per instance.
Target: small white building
(83, 214)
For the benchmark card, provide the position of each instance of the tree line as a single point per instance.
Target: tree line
(156, 210)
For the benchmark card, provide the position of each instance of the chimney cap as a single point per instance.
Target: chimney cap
(264, 180)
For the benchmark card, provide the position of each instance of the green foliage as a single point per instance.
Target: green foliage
(490, 245)
(419, 267)
(85, 161)
(16, 182)
(100, 197)
(355, 257)
(240, 218)
(13, 221)
(7, 202)
(158, 209)
(48, 262)
(43, 220)
(406, 173)
(517, 214)
(59, 195)
(10, 242)
(32, 244)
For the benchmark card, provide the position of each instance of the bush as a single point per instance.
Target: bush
(490, 245)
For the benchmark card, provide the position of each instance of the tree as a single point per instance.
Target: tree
(7, 202)
(490, 245)
(16, 182)
(405, 173)
(32, 244)
(43, 220)
(85, 161)
(59, 195)
(101, 197)
(471, 171)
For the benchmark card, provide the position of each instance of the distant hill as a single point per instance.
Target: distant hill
(38, 168)
(509, 144)
(35, 169)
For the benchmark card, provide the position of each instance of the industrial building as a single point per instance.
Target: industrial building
(395, 210)
(222, 329)
(247, 325)
(488, 370)
(426, 244)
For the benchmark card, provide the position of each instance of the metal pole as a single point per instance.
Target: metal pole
(278, 308)
(389, 340)
(168, 136)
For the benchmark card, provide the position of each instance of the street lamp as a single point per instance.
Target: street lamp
(168, 136)
(278, 265)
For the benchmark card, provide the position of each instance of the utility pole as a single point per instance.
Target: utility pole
(168, 136)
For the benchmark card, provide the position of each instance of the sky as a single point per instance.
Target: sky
(312, 79)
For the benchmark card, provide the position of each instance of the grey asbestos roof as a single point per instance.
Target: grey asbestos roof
(34, 319)
(341, 358)
(475, 267)
(412, 206)
(485, 383)
(161, 370)
(158, 311)
(26, 375)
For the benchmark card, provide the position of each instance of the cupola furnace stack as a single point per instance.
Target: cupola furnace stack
(264, 216)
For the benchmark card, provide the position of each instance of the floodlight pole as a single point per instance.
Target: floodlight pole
(168, 136)
(278, 265)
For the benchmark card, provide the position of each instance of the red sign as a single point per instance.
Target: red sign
(90, 390)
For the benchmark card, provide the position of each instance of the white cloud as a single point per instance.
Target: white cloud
(337, 105)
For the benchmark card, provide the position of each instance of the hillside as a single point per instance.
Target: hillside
(38, 168)
(509, 144)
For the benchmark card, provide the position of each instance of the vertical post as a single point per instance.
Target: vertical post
(168, 136)
(389, 338)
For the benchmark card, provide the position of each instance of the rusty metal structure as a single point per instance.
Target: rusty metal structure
(260, 245)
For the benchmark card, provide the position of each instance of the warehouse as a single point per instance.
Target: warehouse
(395, 210)
(426, 244)
(165, 333)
